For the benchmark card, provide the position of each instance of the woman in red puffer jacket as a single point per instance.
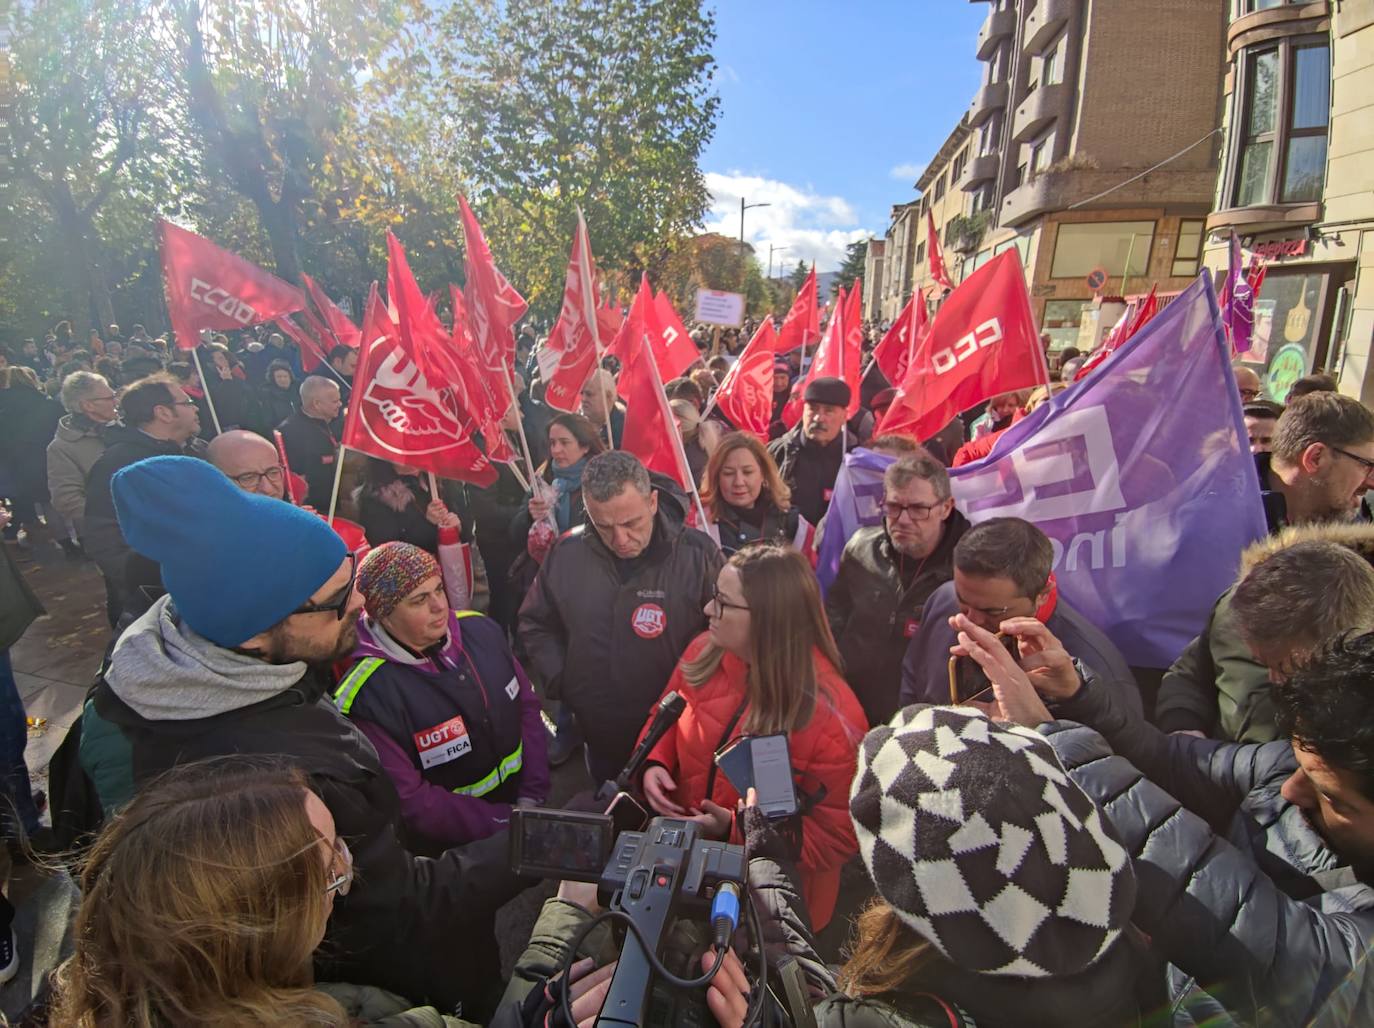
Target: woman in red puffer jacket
(766, 665)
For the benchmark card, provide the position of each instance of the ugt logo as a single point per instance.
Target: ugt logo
(986, 334)
(224, 302)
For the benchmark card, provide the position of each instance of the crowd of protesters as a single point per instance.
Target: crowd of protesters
(293, 780)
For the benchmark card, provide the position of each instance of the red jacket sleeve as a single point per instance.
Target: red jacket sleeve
(827, 832)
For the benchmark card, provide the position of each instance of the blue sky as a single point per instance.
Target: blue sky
(829, 112)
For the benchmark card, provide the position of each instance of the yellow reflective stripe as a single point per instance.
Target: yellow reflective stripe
(509, 766)
(353, 682)
(468, 614)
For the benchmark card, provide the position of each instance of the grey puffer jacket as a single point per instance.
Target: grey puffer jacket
(1266, 917)
(75, 447)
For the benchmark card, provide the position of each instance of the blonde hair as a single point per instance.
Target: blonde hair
(773, 486)
(203, 903)
(786, 624)
(884, 953)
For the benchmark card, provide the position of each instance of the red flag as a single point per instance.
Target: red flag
(982, 343)
(334, 319)
(650, 432)
(394, 414)
(673, 349)
(935, 260)
(608, 322)
(485, 401)
(802, 325)
(569, 356)
(419, 331)
(212, 288)
(895, 351)
(493, 304)
(838, 356)
(746, 395)
(1132, 321)
(312, 349)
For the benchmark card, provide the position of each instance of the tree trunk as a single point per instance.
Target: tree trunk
(279, 218)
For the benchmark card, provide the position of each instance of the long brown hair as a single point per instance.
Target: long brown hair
(581, 429)
(786, 623)
(773, 486)
(203, 902)
(884, 954)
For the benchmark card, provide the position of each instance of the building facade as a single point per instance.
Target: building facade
(1297, 184)
(945, 202)
(1094, 149)
(899, 257)
(874, 261)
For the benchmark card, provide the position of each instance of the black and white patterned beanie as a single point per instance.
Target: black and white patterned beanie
(978, 839)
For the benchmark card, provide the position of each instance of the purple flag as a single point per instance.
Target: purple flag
(855, 503)
(1141, 477)
(1238, 302)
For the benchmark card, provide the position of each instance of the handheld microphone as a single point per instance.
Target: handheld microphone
(667, 712)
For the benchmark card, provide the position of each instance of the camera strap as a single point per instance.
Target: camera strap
(724, 738)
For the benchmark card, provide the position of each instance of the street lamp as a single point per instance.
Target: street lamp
(742, 208)
(771, 250)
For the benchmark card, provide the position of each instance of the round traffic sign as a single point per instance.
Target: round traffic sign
(1097, 278)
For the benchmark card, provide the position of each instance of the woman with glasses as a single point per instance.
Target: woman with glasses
(767, 665)
(455, 722)
(746, 499)
(204, 902)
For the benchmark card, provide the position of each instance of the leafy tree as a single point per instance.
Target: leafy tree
(798, 278)
(852, 268)
(605, 104)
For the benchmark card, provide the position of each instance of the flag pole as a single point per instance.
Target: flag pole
(338, 477)
(209, 400)
(584, 275)
(520, 421)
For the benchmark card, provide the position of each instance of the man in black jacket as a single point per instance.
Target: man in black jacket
(159, 419)
(258, 593)
(809, 456)
(1275, 920)
(615, 605)
(312, 445)
(886, 575)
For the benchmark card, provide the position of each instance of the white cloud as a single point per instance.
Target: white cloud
(906, 172)
(813, 227)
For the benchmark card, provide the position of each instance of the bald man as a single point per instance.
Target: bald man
(311, 438)
(250, 462)
(1248, 383)
(598, 402)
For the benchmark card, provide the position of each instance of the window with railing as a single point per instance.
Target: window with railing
(1283, 112)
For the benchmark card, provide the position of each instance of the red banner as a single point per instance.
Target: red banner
(211, 288)
(935, 260)
(334, 319)
(838, 356)
(481, 395)
(569, 355)
(394, 414)
(746, 395)
(650, 433)
(662, 331)
(981, 344)
(802, 325)
(894, 353)
(493, 304)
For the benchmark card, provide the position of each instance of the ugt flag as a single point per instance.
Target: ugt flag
(1142, 479)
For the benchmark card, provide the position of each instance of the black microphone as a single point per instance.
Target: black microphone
(667, 712)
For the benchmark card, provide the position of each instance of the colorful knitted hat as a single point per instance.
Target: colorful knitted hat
(392, 572)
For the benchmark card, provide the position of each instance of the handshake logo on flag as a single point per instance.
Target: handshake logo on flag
(403, 414)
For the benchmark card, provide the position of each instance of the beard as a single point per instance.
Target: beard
(287, 646)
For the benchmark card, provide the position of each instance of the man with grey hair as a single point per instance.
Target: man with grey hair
(312, 439)
(616, 602)
(598, 405)
(886, 575)
(78, 442)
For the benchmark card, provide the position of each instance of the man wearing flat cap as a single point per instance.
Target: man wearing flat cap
(809, 456)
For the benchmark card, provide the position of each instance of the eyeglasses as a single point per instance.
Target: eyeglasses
(249, 479)
(1364, 462)
(338, 605)
(343, 882)
(1249, 394)
(721, 603)
(915, 511)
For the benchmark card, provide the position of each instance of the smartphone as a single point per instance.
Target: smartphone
(772, 766)
(967, 679)
(737, 763)
(627, 814)
(560, 843)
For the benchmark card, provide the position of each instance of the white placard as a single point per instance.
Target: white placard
(717, 308)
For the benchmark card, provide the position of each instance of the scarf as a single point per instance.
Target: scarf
(566, 481)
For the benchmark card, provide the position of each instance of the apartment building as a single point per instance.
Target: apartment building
(899, 256)
(1297, 184)
(1094, 148)
(874, 262)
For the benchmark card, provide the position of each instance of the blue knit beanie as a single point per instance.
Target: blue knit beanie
(234, 562)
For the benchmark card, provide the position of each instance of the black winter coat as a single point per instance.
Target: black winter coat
(28, 420)
(1268, 919)
(312, 448)
(273, 405)
(809, 470)
(607, 644)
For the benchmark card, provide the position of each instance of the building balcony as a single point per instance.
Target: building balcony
(1264, 218)
(988, 100)
(981, 169)
(1044, 23)
(1039, 109)
(1188, 192)
(998, 25)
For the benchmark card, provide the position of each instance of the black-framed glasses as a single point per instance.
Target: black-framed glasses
(1364, 462)
(914, 511)
(337, 605)
(721, 603)
(249, 479)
